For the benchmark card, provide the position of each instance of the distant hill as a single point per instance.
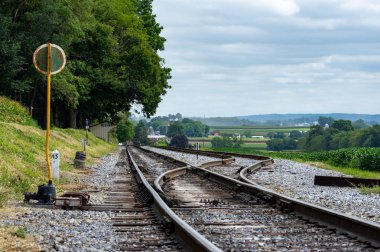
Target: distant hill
(283, 119)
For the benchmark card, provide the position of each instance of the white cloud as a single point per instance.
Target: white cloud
(281, 7)
(236, 57)
(361, 6)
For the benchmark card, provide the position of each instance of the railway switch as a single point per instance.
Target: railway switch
(45, 194)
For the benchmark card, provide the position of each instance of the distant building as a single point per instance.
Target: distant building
(237, 135)
(155, 138)
(259, 137)
(302, 124)
(102, 130)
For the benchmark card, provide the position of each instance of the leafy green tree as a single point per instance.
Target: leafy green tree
(316, 130)
(227, 142)
(247, 133)
(176, 128)
(317, 143)
(112, 57)
(360, 124)
(343, 125)
(141, 134)
(217, 142)
(153, 29)
(275, 144)
(237, 142)
(124, 130)
(207, 130)
(322, 120)
(179, 141)
(10, 60)
(278, 144)
(295, 134)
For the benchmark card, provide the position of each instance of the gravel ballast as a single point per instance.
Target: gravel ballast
(62, 230)
(297, 180)
(187, 157)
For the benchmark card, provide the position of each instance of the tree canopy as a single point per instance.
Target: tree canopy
(112, 51)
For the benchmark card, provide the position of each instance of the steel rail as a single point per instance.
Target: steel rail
(366, 231)
(193, 240)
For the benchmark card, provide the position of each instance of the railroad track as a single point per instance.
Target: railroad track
(147, 162)
(164, 230)
(237, 166)
(239, 216)
(135, 217)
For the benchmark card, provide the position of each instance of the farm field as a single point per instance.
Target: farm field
(256, 131)
(256, 143)
(357, 162)
(251, 146)
(245, 139)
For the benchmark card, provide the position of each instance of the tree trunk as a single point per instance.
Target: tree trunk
(73, 118)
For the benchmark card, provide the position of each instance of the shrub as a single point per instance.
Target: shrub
(179, 141)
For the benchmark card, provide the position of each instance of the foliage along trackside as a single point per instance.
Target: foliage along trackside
(112, 57)
(22, 158)
(361, 158)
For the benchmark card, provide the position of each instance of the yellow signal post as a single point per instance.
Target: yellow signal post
(48, 112)
(49, 59)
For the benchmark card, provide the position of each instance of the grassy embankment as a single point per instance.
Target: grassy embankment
(22, 151)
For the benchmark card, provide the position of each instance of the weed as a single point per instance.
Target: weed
(20, 232)
(370, 190)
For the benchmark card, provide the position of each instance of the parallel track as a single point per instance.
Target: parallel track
(189, 191)
(135, 217)
(169, 221)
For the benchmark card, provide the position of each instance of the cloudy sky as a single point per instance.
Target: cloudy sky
(242, 57)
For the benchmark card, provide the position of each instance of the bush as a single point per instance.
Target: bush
(278, 144)
(217, 142)
(124, 131)
(161, 142)
(179, 141)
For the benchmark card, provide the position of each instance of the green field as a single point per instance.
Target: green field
(357, 162)
(255, 146)
(209, 138)
(255, 131)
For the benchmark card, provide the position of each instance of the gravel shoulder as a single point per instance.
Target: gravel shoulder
(61, 230)
(297, 180)
(187, 157)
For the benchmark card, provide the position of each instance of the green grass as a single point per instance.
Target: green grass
(370, 190)
(255, 146)
(20, 232)
(14, 112)
(22, 156)
(345, 160)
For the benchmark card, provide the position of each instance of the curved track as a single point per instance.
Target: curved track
(168, 220)
(190, 194)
